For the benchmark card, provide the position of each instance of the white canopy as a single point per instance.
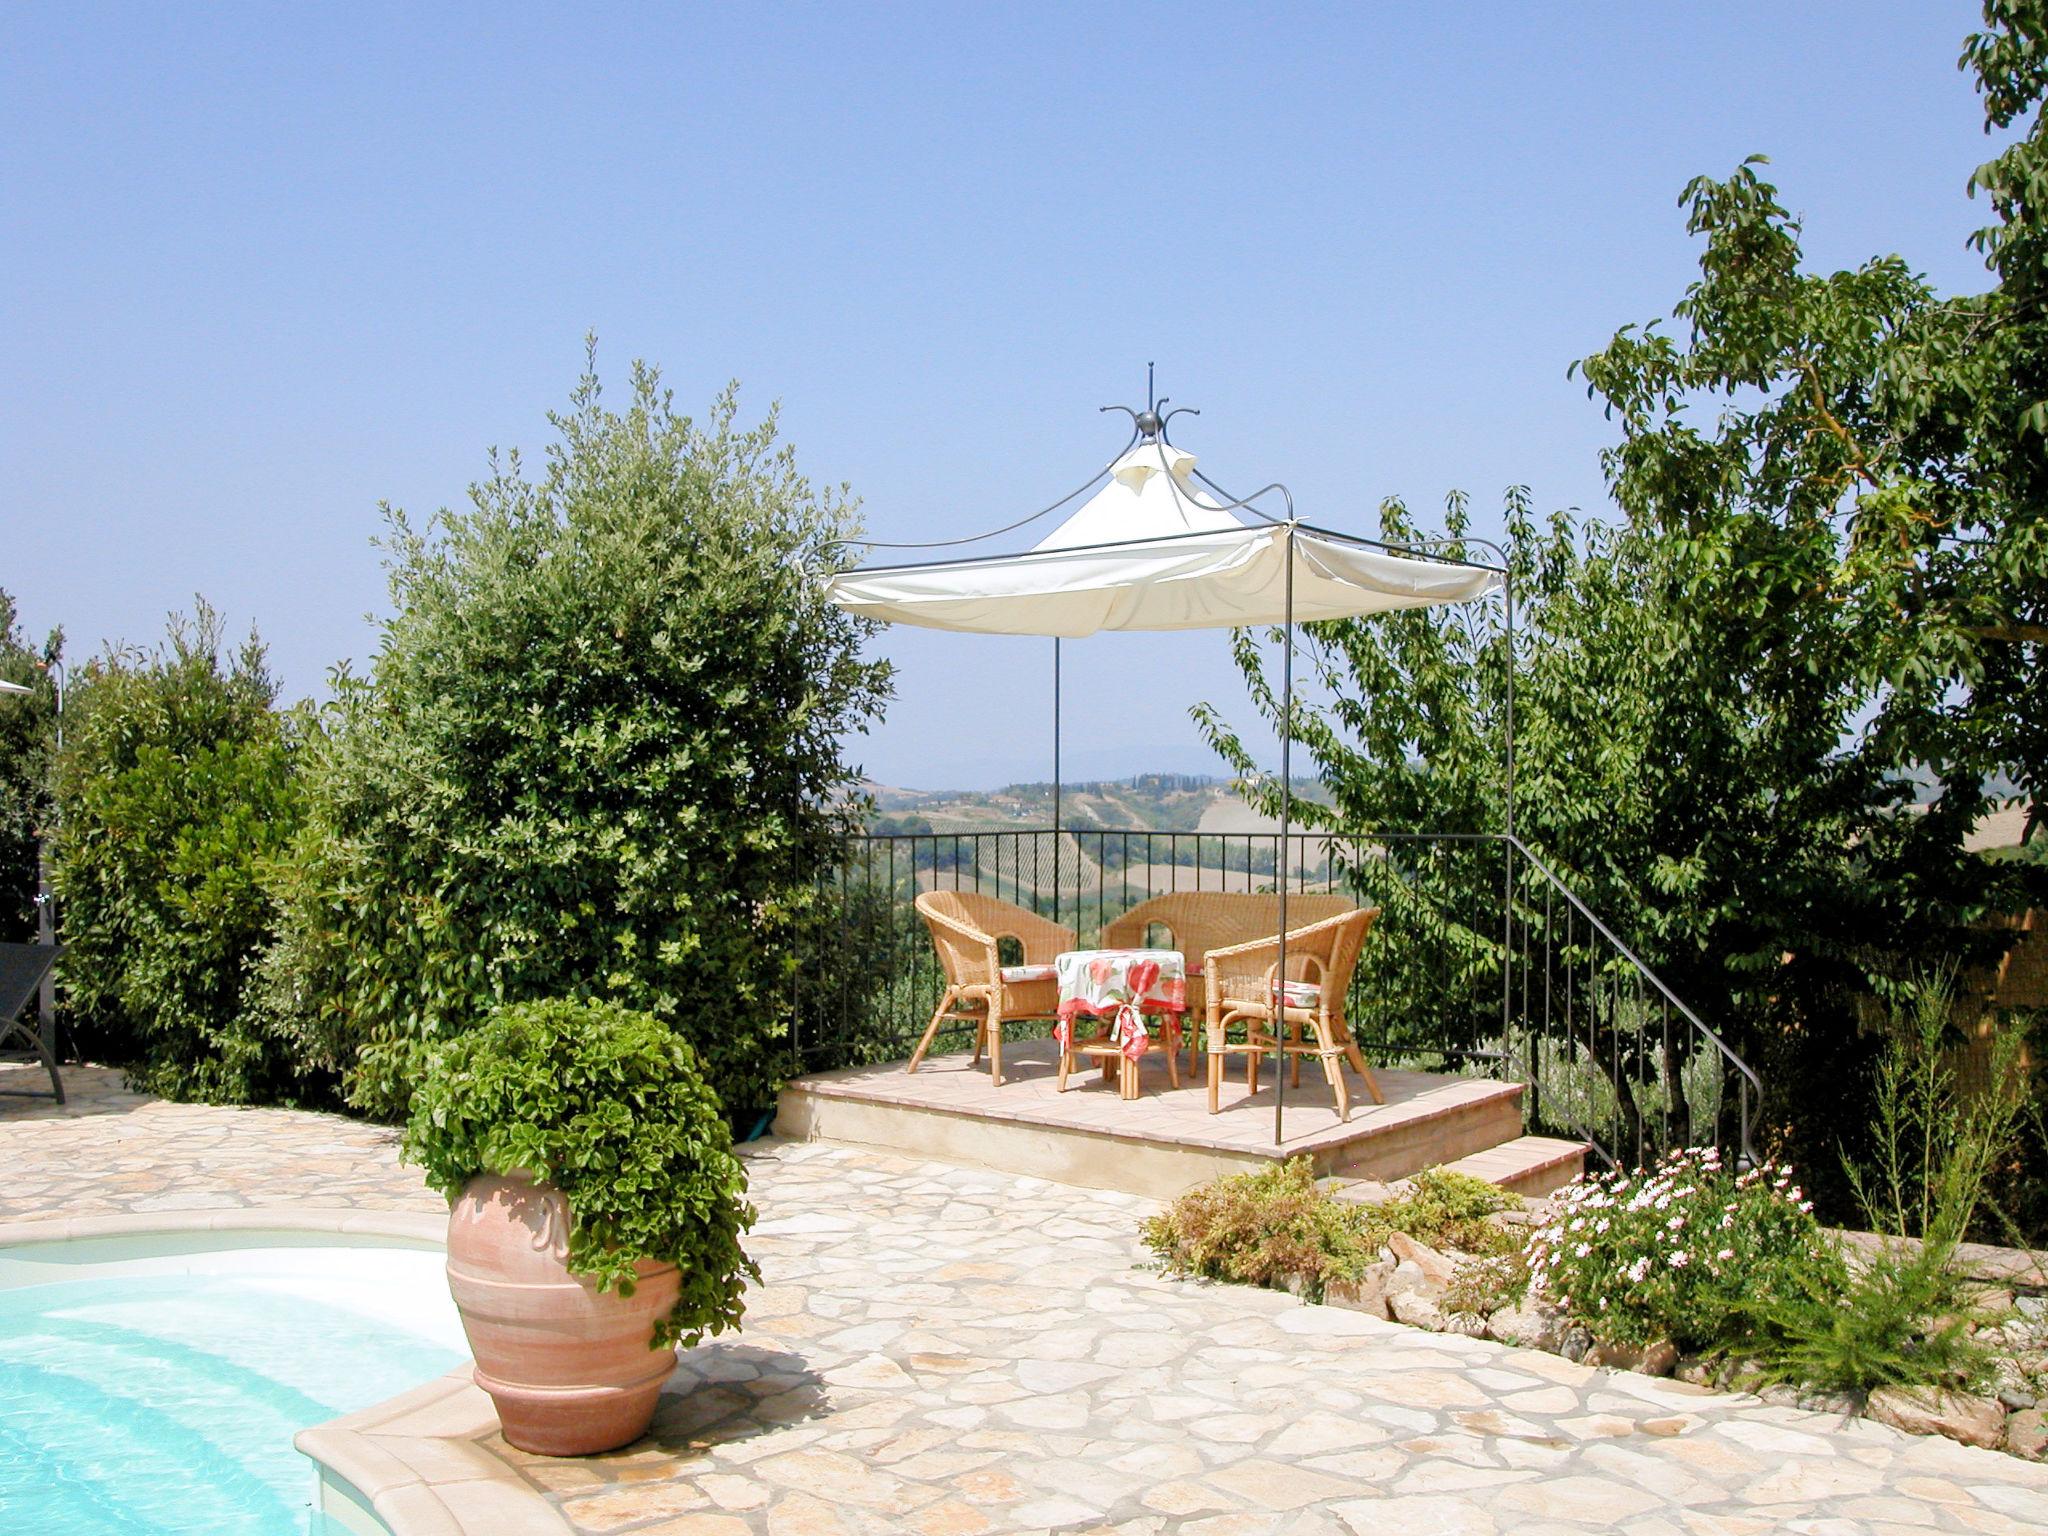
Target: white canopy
(1153, 550)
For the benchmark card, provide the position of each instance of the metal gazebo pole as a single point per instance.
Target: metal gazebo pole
(1507, 879)
(1286, 832)
(1056, 781)
(46, 899)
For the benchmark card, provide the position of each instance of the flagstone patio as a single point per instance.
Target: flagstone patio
(952, 1351)
(109, 1152)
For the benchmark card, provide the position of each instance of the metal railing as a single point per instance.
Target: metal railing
(1483, 960)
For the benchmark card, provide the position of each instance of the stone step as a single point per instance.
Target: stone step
(1532, 1166)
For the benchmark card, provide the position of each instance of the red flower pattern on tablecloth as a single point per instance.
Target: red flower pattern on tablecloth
(1123, 985)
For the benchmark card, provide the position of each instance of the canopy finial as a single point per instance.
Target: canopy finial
(1149, 422)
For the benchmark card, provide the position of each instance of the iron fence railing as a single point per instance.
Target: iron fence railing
(1483, 960)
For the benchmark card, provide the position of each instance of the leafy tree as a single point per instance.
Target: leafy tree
(1685, 774)
(175, 788)
(597, 756)
(26, 723)
(1831, 581)
(1874, 444)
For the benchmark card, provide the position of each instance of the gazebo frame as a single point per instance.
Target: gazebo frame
(1150, 425)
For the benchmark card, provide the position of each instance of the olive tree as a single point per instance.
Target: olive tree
(597, 754)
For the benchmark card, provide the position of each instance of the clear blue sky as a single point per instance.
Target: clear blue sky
(261, 267)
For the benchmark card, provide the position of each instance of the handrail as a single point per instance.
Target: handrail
(1700, 1027)
(1642, 967)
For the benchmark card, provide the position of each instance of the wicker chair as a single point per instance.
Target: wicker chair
(1241, 987)
(1200, 921)
(965, 928)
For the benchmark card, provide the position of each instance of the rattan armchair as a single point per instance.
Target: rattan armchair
(1199, 921)
(1243, 988)
(966, 927)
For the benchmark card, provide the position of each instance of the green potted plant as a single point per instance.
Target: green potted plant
(595, 1213)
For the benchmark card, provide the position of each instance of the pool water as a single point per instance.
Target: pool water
(161, 1394)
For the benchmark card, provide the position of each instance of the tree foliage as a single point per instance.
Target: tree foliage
(1686, 773)
(175, 790)
(27, 725)
(597, 755)
(1830, 591)
(1873, 444)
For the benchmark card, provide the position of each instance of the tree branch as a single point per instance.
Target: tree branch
(2011, 634)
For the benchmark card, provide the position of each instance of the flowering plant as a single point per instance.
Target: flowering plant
(1682, 1252)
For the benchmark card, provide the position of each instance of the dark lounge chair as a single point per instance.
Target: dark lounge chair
(22, 967)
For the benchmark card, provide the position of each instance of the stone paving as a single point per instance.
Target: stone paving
(109, 1152)
(947, 1351)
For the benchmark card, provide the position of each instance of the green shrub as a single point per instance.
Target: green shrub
(1274, 1227)
(598, 755)
(1736, 1265)
(608, 1105)
(1489, 1283)
(174, 791)
(1901, 1320)
(1684, 1252)
(1447, 1209)
(1278, 1227)
(1905, 1316)
(1932, 1147)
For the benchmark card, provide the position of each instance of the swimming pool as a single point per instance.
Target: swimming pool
(154, 1384)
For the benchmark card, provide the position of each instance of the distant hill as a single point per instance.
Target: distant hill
(1157, 802)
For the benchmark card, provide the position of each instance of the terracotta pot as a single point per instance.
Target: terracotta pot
(571, 1368)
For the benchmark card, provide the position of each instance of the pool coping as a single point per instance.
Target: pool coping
(414, 1464)
(415, 1226)
(408, 1465)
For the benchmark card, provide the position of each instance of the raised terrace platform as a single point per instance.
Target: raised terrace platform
(1166, 1140)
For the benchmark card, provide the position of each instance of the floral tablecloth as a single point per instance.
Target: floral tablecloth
(1123, 986)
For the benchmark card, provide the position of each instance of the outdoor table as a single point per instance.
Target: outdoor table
(1122, 987)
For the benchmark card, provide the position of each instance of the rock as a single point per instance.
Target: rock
(1412, 1277)
(2033, 1308)
(1924, 1411)
(1696, 1370)
(1644, 1359)
(1418, 1310)
(2026, 1434)
(1740, 1374)
(1845, 1405)
(1997, 1301)
(1436, 1267)
(2018, 1399)
(1529, 1325)
(1417, 1278)
(1514, 1220)
(1367, 1294)
(1415, 1309)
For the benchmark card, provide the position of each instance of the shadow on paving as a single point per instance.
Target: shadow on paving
(726, 1392)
